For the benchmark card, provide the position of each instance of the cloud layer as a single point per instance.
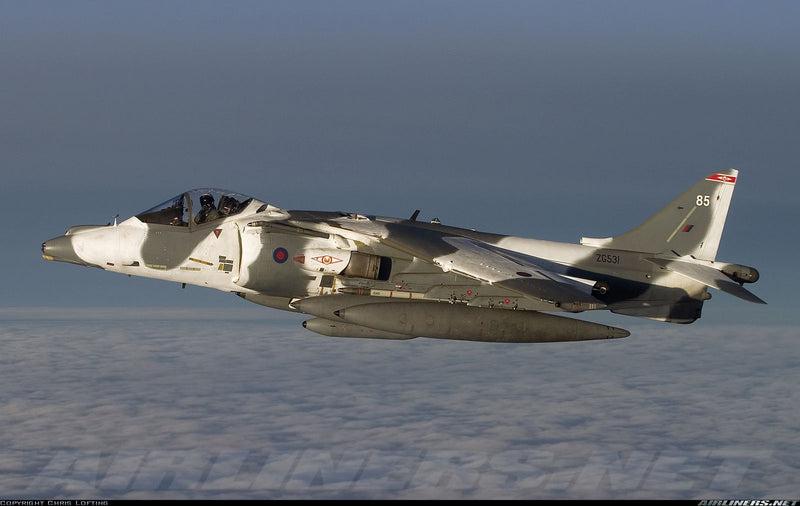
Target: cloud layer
(231, 405)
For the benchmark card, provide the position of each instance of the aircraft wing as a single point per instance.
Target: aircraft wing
(515, 271)
(490, 264)
(709, 276)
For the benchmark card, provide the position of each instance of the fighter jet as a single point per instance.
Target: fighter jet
(365, 276)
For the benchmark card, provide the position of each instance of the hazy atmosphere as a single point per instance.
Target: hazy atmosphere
(552, 120)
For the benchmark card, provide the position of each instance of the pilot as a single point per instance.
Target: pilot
(208, 211)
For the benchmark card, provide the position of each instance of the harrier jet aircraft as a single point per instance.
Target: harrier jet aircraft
(360, 275)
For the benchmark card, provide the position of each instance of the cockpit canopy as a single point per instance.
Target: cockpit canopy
(196, 207)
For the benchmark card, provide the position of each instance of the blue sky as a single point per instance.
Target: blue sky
(553, 120)
(541, 119)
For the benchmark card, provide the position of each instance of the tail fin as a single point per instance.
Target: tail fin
(690, 225)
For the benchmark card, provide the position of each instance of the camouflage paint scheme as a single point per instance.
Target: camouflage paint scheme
(392, 278)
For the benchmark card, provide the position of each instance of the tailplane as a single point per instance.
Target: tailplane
(690, 225)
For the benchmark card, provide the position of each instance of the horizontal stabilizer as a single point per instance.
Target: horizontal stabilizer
(709, 276)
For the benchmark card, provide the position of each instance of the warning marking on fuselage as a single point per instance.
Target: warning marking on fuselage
(225, 265)
(200, 261)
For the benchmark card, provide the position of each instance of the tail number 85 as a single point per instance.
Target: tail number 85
(703, 201)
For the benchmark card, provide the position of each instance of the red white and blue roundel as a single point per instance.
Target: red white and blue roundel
(280, 255)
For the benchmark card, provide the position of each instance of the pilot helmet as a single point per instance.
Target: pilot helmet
(206, 200)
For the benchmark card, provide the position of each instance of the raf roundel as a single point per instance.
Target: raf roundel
(280, 255)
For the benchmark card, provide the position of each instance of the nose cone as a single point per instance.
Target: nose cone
(92, 245)
(60, 249)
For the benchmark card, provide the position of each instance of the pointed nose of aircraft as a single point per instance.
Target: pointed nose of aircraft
(91, 245)
(60, 249)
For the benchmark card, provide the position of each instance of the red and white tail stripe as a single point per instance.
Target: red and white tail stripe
(722, 178)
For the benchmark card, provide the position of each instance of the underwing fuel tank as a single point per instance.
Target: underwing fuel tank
(324, 306)
(345, 329)
(456, 321)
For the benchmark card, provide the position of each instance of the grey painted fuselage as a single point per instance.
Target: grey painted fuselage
(391, 278)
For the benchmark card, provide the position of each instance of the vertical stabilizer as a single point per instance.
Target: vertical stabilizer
(690, 225)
